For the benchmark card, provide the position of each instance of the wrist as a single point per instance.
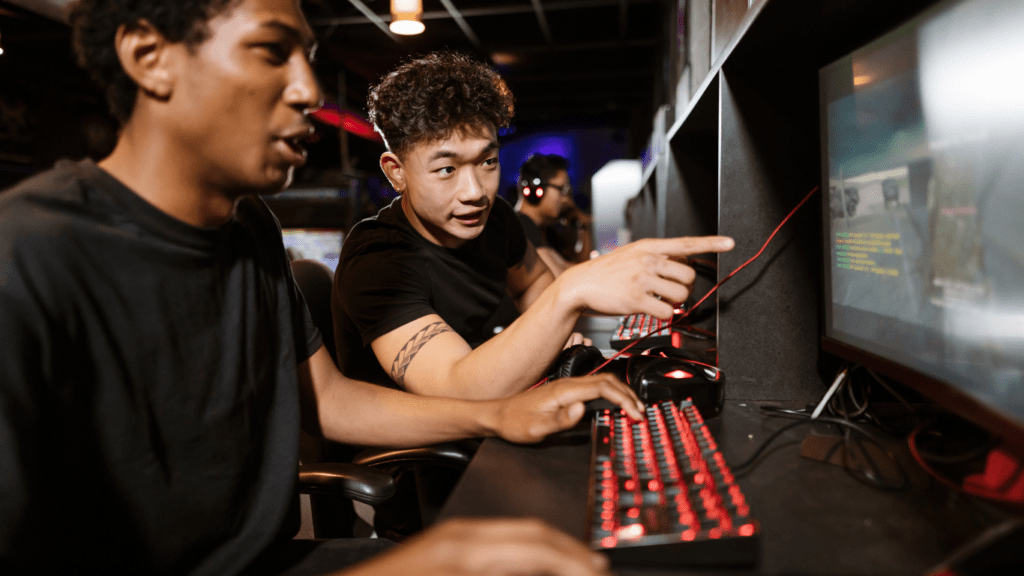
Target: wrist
(489, 415)
(569, 299)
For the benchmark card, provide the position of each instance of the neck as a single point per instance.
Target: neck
(145, 163)
(430, 234)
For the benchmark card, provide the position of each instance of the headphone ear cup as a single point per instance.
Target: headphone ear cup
(578, 360)
(530, 192)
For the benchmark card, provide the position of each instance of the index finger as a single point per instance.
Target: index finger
(605, 386)
(688, 245)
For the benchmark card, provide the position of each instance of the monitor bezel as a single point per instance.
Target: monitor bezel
(942, 393)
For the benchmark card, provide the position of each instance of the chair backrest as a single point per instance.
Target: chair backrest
(315, 281)
(323, 516)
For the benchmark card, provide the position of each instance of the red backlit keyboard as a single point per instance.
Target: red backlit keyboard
(661, 492)
(662, 333)
(635, 326)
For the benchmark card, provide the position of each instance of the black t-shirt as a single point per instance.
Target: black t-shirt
(149, 412)
(531, 230)
(389, 275)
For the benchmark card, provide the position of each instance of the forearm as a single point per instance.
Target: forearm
(364, 414)
(519, 356)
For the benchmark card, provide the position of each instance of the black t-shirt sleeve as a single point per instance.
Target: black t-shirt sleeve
(530, 231)
(24, 354)
(384, 289)
(509, 220)
(306, 336)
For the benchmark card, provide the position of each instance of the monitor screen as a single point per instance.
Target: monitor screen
(323, 244)
(923, 165)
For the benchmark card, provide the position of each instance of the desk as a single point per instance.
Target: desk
(815, 518)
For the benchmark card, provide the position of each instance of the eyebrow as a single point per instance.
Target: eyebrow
(308, 42)
(445, 153)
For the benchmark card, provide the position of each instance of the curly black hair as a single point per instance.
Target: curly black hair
(429, 97)
(95, 24)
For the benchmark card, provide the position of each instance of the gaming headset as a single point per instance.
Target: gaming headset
(534, 174)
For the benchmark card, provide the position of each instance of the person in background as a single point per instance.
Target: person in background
(417, 284)
(157, 356)
(545, 199)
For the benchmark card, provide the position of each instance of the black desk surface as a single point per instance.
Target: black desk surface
(815, 518)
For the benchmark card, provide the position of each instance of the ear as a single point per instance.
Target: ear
(391, 164)
(143, 52)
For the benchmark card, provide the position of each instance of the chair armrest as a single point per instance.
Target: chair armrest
(447, 454)
(360, 483)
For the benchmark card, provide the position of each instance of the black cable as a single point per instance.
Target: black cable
(872, 477)
(801, 421)
(868, 411)
(966, 456)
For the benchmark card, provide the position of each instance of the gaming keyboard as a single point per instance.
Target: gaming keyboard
(661, 492)
(635, 326)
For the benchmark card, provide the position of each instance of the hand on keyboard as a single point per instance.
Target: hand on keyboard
(532, 415)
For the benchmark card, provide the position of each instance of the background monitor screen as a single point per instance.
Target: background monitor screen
(323, 244)
(923, 157)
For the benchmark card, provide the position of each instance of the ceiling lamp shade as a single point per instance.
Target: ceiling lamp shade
(406, 17)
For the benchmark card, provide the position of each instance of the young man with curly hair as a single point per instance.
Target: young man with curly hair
(157, 357)
(417, 283)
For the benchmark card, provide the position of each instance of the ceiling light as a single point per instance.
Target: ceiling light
(406, 16)
(504, 58)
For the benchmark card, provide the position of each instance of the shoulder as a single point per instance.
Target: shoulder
(377, 254)
(253, 213)
(65, 183)
(41, 229)
(525, 221)
(35, 213)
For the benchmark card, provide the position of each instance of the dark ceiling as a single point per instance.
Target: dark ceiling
(566, 61)
(569, 63)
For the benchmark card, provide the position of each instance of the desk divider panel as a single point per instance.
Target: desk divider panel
(768, 325)
(692, 170)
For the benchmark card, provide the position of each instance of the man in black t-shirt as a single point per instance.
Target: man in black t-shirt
(157, 358)
(416, 285)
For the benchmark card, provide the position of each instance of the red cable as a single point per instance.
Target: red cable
(966, 489)
(710, 292)
(755, 256)
(713, 289)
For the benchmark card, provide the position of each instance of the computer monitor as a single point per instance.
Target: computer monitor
(323, 244)
(923, 170)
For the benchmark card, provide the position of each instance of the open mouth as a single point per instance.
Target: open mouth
(471, 218)
(293, 150)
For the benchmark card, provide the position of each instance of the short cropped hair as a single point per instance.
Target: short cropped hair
(543, 166)
(428, 98)
(95, 24)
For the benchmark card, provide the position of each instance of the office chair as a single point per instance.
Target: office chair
(330, 516)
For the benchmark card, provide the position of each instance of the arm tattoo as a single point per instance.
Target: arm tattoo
(408, 352)
(530, 258)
